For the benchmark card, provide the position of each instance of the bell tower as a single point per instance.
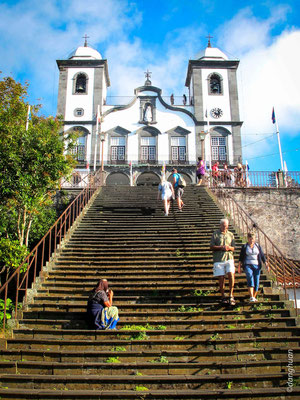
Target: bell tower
(212, 83)
(83, 82)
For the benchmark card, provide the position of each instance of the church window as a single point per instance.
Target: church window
(178, 149)
(117, 149)
(79, 150)
(215, 84)
(81, 84)
(218, 149)
(148, 149)
(79, 112)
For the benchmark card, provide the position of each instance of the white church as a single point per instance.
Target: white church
(149, 130)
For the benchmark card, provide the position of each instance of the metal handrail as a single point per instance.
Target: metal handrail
(48, 245)
(284, 270)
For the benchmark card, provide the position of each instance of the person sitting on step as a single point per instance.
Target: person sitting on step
(101, 313)
(222, 244)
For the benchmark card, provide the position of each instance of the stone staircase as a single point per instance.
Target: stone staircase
(174, 339)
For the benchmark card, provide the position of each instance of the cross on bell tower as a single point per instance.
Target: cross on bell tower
(209, 37)
(85, 37)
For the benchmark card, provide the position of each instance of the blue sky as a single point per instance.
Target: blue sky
(162, 35)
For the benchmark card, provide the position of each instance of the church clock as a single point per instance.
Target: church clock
(216, 112)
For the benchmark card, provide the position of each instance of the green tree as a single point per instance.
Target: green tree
(32, 161)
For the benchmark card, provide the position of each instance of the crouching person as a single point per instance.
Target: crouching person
(101, 313)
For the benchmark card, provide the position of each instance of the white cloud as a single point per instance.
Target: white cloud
(268, 76)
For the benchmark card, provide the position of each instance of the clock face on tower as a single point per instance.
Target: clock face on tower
(216, 112)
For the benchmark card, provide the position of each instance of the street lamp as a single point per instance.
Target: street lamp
(202, 135)
(102, 138)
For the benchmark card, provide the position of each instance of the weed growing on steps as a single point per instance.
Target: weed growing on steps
(137, 373)
(139, 336)
(179, 338)
(230, 327)
(113, 360)
(143, 327)
(200, 292)
(140, 388)
(229, 385)
(118, 348)
(161, 359)
(189, 309)
(216, 336)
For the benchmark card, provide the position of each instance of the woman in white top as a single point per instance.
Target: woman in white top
(166, 192)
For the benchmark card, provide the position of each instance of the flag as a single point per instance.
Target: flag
(273, 116)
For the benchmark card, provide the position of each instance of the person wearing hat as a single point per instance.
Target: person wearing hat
(177, 190)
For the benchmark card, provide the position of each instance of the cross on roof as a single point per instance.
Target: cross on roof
(147, 74)
(209, 37)
(85, 37)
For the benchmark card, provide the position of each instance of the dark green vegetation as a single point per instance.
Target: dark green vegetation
(31, 164)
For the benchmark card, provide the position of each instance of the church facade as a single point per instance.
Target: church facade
(134, 140)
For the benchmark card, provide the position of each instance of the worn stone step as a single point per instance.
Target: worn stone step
(155, 382)
(230, 331)
(173, 355)
(160, 368)
(151, 314)
(228, 394)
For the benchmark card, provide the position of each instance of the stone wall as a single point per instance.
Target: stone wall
(277, 213)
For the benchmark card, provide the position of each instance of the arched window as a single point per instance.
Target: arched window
(215, 84)
(81, 84)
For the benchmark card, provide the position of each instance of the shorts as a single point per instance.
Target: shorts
(178, 192)
(199, 175)
(222, 268)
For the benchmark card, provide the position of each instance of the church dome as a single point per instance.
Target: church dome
(85, 53)
(211, 53)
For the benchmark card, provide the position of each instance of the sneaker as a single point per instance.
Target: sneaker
(232, 301)
(180, 209)
(253, 300)
(166, 214)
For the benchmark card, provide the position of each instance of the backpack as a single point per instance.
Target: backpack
(181, 182)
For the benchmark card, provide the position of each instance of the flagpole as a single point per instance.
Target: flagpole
(274, 120)
(279, 145)
(27, 119)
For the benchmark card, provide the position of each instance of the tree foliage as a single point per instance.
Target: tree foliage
(31, 164)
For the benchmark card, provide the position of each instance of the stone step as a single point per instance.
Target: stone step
(230, 331)
(188, 323)
(143, 368)
(214, 356)
(276, 393)
(155, 382)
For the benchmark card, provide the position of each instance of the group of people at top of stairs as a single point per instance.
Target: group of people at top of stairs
(251, 257)
(224, 177)
(171, 191)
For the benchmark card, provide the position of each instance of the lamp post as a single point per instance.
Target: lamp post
(202, 138)
(102, 138)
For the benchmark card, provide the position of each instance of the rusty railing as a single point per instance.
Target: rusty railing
(19, 281)
(285, 271)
